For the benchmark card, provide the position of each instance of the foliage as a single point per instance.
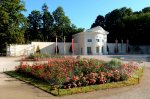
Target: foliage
(100, 21)
(113, 64)
(114, 23)
(70, 72)
(38, 26)
(38, 55)
(45, 26)
(12, 22)
(46, 87)
(35, 23)
(38, 49)
(146, 10)
(125, 24)
(48, 22)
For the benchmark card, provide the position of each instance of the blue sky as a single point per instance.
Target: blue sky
(83, 13)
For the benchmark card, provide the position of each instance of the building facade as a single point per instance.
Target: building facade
(92, 41)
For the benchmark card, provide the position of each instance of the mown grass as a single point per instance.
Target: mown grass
(135, 79)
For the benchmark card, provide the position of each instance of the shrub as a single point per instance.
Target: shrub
(38, 55)
(70, 72)
(78, 57)
(113, 64)
(38, 49)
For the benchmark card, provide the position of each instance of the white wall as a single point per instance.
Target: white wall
(143, 49)
(78, 39)
(111, 47)
(18, 50)
(49, 47)
(93, 34)
(45, 47)
(94, 43)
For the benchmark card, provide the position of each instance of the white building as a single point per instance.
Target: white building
(92, 41)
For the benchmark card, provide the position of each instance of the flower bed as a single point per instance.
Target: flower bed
(71, 72)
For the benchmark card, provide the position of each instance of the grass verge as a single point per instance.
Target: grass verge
(135, 79)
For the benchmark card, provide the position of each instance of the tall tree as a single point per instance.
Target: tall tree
(114, 23)
(35, 24)
(48, 22)
(12, 22)
(71, 31)
(61, 23)
(100, 21)
(137, 28)
(146, 10)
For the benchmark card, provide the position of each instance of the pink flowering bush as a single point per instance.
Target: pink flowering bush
(70, 72)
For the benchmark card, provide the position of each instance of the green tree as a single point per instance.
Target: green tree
(146, 10)
(35, 24)
(114, 23)
(100, 21)
(62, 23)
(137, 28)
(38, 49)
(48, 22)
(12, 22)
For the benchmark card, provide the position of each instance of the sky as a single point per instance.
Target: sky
(83, 13)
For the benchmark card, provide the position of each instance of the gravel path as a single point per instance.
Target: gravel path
(11, 88)
(8, 63)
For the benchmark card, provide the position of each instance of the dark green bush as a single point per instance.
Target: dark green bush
(113, 64)
(39, 55)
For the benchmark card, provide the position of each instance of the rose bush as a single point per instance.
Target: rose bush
(70, 72)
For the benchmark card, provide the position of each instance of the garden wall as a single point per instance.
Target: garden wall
(121, 48)
(49, 47)
(140, 49)
(45, 47)
(18, 50)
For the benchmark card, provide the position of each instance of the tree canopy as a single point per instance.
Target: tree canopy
(43, 25)
(12, 22)
(123, 24)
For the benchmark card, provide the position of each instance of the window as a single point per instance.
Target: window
(97, 49)
(89, 40)
(97, 40)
